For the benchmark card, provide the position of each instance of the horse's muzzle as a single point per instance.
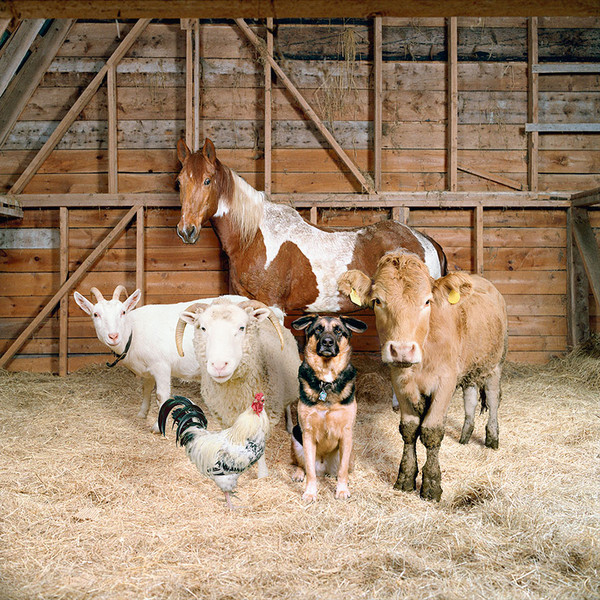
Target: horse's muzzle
(189, 234)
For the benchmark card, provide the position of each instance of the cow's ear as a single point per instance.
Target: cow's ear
(453, 288)
(357, 286)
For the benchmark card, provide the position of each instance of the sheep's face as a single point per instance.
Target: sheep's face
(223, 335)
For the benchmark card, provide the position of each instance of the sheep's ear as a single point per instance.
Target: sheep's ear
(260, 314)
(132, 301)
(83, 303)
(188, 317)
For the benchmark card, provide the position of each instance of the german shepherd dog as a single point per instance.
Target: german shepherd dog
(322, 440)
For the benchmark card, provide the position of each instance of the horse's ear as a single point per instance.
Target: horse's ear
(182, 150)
(208, 151)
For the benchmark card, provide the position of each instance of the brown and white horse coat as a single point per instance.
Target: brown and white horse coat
(435, 335)
(276, 256)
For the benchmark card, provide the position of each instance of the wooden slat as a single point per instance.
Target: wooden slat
(4, 23)
(478, 230)
(587, 198)
(310, 113)
(113, 167)
(28, 78)
(268, 111)
(452, 104)
(63, 343)
(547, 68)
(70, 117)
(68, 285)
(16, 50)
(189, 86)
(197, 86)
(562, 127)
(378, 108)
(140, 250)
(588, 248)
(532, 103)
(491, 176)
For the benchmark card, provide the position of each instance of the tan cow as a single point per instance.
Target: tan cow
(435, 335)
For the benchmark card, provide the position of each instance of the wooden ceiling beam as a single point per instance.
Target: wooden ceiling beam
(279, 9)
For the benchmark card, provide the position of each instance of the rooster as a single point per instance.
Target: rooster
(221, 455)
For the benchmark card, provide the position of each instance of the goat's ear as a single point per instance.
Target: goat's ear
(260, 314)
(83, 303)
(132, 301)
(357, 286)
(182, 150)
(303, 322)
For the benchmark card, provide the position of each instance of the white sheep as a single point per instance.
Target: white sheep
(144, 340)
(240, 353)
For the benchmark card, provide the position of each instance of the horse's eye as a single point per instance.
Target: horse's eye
(207, 181)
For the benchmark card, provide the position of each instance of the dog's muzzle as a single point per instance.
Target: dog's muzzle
(327, 346)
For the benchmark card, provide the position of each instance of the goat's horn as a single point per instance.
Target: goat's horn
(97, 294)
(274, 320)
(120, 289)
(181, 328)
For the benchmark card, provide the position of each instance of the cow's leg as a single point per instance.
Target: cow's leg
(407, 473)
(432, 434)
(492, 392)
(471, 400)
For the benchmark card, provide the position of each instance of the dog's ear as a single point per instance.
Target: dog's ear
(354, 324)
(304, 322)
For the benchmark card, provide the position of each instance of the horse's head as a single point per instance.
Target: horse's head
(200, 183)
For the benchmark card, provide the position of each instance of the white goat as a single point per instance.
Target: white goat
(240, 354)
(144, 340)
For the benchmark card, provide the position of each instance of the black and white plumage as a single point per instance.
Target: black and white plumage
(221, 455)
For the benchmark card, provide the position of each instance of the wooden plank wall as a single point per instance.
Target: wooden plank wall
(524, 250)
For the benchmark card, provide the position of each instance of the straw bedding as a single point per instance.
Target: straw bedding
(96, 506)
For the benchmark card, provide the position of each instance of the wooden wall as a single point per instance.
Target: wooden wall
(524, 250)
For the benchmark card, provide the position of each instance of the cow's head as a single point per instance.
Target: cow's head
(201, 182)
(403, 296)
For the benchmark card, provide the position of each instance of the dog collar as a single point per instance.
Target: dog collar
(323, 385)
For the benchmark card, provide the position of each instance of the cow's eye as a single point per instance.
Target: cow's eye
(207, 181)
(428, 302)
(376, 302)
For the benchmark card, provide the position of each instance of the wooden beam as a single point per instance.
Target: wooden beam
(452, 104)
(189, 86)
(10, 207)
(113, 168)
(578, 311)
(197, 86)
(63, 314)
(310, 113)
(382, 200)
(563, 127)
(532, 104)
(588, 198)
(515, 185)
(280, 9)
(401, 214)
(77, 107)
(140, 246)
(26, 81)
(588, 249)
(564, 68)
(4, 23)
(378, 95)
(269, 112)
(16, 50)
(68, 285)
(313, 215)
(478, 245)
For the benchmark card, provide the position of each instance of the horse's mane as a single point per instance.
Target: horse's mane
(245, 206)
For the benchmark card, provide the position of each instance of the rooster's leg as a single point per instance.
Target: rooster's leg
(228, 500)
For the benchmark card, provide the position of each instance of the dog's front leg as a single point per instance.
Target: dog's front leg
(310, 457)
(342, 492)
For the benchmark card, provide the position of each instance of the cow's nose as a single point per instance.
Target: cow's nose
(404, 352)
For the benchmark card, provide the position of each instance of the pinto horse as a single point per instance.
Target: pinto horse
(276, 256)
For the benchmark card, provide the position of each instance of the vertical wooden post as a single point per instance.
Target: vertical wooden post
(401, 214)
(189, 86)
(268, 157)
(378, 89)
(452, 104)
(478, 239)
(196, 84)
(313, 215)
(532, 104)
(63, 311)
(140, 240)
(111, 84)
(578, 311)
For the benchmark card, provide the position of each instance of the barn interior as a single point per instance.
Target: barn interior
(481, 130)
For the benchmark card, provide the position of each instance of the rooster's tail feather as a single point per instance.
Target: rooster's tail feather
(188, 415)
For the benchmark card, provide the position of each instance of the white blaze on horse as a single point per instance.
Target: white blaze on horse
(276, 256)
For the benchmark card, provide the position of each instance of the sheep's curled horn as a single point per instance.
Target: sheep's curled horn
(249, 303)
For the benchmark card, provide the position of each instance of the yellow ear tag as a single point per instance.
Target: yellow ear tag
(354, 297)
(453, 296)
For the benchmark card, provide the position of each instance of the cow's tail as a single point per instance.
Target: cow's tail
(483, 399)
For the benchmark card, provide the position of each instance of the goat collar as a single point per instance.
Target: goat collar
(123, 354)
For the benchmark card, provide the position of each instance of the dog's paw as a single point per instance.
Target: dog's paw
(310, 494)
(298, 475)
(342, 493)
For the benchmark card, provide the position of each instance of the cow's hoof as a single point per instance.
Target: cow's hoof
(491, 442)
(405, 483)
(431, 490)
(466, 433)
